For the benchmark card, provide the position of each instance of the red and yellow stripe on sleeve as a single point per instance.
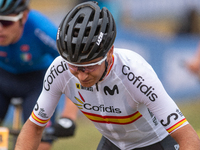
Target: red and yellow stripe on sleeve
(41, 121)
(178, 124)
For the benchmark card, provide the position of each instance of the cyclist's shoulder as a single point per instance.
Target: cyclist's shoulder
(38, 20)
(58, 60)
(59, 64)
(34, 14)
(57, 74)
(39, 29)
(127, 54)
(132, 62)
(129, 57)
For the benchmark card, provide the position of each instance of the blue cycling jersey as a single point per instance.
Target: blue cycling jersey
(35, 50)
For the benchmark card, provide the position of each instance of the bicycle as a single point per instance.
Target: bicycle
(9, 135)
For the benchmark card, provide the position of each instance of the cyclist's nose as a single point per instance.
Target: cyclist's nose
(82, 75)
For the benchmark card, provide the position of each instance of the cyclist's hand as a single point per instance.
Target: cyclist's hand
(64, 127)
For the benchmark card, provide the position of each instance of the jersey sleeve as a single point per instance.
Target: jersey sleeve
(162, 105)
(51, 93)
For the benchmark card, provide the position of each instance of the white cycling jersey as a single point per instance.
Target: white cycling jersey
(129, 107)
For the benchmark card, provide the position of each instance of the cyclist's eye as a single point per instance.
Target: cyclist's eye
(74, 68)
(83, 68)
(90, 67)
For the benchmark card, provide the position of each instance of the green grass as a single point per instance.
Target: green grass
(191, 111)
(87, 137)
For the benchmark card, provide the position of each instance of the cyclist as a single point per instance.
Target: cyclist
(27, 48)
(115, 88)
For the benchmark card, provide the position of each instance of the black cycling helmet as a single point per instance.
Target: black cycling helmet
(86, 33)
(13, 6)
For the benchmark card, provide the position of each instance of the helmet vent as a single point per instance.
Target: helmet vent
(87, 31)
(82, 47)
(97, 30)
(89, 49)
(80, 19)
(75, 32)
(73, 47)
(92, 16)
(107, 28)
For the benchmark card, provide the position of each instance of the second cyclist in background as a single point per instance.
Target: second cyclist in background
(27, 48)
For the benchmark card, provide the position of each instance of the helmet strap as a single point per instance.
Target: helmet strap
(106, 67)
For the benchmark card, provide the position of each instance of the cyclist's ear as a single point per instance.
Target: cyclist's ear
(25, 16)
(110, 53)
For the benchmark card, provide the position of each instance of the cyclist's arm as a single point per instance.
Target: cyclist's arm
(166, 110)
(187, 138)
(65, 126)
(170, 116)
(29, 137)
(70, 110)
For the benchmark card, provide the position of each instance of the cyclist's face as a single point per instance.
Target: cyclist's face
(89, 78)
(11, 31)
(91, 75)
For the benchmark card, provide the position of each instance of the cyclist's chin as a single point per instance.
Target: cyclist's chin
(88, 83)
(84, 84)
(4, 42)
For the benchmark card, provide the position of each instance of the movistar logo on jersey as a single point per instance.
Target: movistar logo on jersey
(111, 91)
(101, 108)
(138, 81)
(54, 72)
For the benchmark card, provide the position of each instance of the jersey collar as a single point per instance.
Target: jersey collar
(110, 67)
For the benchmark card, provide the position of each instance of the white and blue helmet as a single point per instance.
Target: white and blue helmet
(13, 6)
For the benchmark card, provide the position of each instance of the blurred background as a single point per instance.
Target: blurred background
(166, 33)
